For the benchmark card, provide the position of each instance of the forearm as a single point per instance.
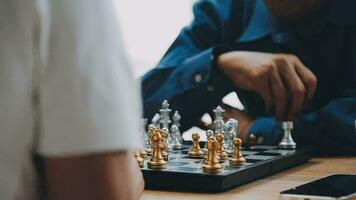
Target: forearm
(111, 176)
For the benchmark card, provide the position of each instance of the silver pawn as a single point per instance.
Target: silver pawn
(230, 134)
(209, 133)
(155, 120)
(287, 141)
(148, 134)
(168, 139)
(176, 121)
(175, 142)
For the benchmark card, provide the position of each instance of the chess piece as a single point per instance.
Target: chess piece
(218, 112)
(143, 154)
(175, 142)
(144, 137)
(209, 134)
(176, 121)
(219, 126)
(211, 162)
(164, 145)
(156, 161)
(139, 159)
(155, 120)
(287, 141)
(237, 159)
(220, 150)
(164, 112)
(230, 134)
(148, 145)
(167, 139)
(195, 151)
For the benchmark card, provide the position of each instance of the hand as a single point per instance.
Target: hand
(245, 121)
(282, 80)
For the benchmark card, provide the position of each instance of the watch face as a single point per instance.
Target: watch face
(335, 186)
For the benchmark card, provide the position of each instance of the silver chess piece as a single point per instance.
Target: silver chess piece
(168, 139)
(219, 113)
(209, 133)
(219, 126)
(155, 120)
(146, 138)
(176, 121)
(164, 112)
(230, 134)
(175, 142)
(148, 135)
(287, 141)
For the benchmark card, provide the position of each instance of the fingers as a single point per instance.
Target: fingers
(279, 94)
(308, 78)
(267, 96)
(296, 90)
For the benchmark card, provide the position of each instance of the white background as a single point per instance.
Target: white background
(149, 27)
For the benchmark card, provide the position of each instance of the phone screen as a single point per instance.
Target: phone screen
(339, 185)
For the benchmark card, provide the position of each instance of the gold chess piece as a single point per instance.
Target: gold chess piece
(211, 162)
(195, 151)
(237, 159)
(157, 161)
(139, 159)
(220, 149)
(143, 154)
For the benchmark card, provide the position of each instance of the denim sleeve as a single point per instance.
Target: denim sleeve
(332, 129)
(186, 75)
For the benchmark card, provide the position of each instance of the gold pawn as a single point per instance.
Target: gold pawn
(139, 159)
(195, 151)
(211, 163)
(157, 161)
(220, 149)
(237, 158)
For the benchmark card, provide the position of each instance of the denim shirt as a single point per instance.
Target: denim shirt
(188, 78)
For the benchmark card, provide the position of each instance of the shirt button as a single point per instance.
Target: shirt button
(198, 78)
(210, 88)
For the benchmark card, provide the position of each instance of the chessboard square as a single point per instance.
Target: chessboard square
(188, 169)
(267, 154)
(247, 153)
(280, 151)
(259, 157)
(193, 165)
(189, 160)
(177, 163)
(262, 147)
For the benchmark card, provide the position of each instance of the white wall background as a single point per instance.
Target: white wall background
(149, 27)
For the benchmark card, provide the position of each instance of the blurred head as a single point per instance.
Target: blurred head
(292, 9)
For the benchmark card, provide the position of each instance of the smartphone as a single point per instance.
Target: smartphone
(335, 187)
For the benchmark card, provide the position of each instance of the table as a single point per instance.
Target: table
(268, 188)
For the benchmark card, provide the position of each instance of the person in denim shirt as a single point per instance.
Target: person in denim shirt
(286, 60)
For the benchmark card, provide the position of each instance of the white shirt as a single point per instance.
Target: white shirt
(65, 87)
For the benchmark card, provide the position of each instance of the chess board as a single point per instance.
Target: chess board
(186, 174)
